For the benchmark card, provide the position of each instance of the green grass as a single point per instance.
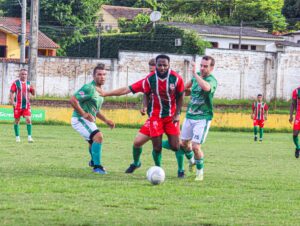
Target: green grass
(49, 183)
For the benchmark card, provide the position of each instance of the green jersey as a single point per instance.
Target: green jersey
(89, 99)
(201, 103)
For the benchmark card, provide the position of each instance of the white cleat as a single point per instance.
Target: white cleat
(18, 139)
(30, 140)
(199, 175)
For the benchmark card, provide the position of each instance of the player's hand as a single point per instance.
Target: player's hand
(194, 72)
(252, 116)
(143, 111)
(176, 118)
(291, 119)
(110, 123)
(88, 117)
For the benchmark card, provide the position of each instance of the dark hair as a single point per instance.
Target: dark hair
(23, 69)
(99, 67)
(259, 95)
(212, 60)
(152, 62)
(162, 57)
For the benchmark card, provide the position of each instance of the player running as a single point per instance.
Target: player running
(165, 89)
(87, 103)
(199, 111)
(295, 106)
(259, 116)
(20, 99)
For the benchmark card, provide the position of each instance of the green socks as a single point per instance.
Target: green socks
(17, 130)
(261, 133)
(136, 153)
(180, 159)
(199, 163)
(296, 142)
(189, 154)
(156, 157)
(29, 127)
(96, 153)
(255, 131)
(166, 145)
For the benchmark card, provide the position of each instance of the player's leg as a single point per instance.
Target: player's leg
(296, 141)
(138, 143)
(186, 136)
(200, 131)
(261, 130)
(17, 115)
(91, 162)
(29, 128)
(156, 152)
(255, 129)
(96, 150)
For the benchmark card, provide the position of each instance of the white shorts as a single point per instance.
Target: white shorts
(195, 130)
(84, 127)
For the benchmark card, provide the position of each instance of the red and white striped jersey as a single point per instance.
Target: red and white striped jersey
(164, 93)
(22, 92)
(259, 110)
(296, 97)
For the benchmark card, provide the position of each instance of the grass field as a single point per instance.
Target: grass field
(49, 183)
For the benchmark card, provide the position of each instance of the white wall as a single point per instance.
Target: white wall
(240, 74)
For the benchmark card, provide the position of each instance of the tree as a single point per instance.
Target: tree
(138, 23)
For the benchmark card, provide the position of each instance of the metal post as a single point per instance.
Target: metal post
(34, 26)
(99, 41)
(23, 33)
(240, 35)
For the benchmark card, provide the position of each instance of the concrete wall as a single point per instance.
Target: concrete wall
(240, 74)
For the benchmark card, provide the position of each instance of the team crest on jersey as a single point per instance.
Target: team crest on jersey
(172, 86)
(81, 93)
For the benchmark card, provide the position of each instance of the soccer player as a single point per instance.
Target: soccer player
(295, 106)
(20, 99)
(87, 103)
(199, 111)
(166, 89)
(259, 116)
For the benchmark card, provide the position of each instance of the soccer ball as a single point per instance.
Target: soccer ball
(156, 175)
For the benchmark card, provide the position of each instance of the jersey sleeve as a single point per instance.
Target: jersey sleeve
(213, 84)
(294, 95)
(266, 107)
(13, 88)
(84, 93)
(137, 87)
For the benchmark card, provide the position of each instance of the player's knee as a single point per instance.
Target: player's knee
(96, 136)
(175, 147)
(157, 148)
(196, 147)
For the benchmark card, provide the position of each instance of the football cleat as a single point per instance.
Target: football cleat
(18, 139)
(199, 175)
(255, 138)
(297, 152)
(30, 140)
(99, 169)
(132, 168)
(91, 163)
(180, 174)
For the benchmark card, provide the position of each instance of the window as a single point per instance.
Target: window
(214, 45)
(253, 47)
(2, 51)
(236, 46)
(42, 52)
(298, 41)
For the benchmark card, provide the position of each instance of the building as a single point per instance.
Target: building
(227, 37)
(109, 15)
(293, 37)
(10, 31)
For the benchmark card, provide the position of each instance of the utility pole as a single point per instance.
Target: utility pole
(23, 32)
(34, 28)
(240, 35)
(99, 40)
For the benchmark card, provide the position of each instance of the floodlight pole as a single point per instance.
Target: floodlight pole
(23, 32)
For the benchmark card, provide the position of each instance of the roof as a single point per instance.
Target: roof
(13, 25)
(125, 12)
(293, 33)
(216, 30)
(287, 43)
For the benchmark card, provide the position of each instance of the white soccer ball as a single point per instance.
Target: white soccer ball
(156, 175)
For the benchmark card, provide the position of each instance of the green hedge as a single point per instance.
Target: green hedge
(160, 39)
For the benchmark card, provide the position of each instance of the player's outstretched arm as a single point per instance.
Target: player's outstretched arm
(32, 90)
(75, 104)
(108, 122)
(145, 104)
(292, 108)
(116, 92)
